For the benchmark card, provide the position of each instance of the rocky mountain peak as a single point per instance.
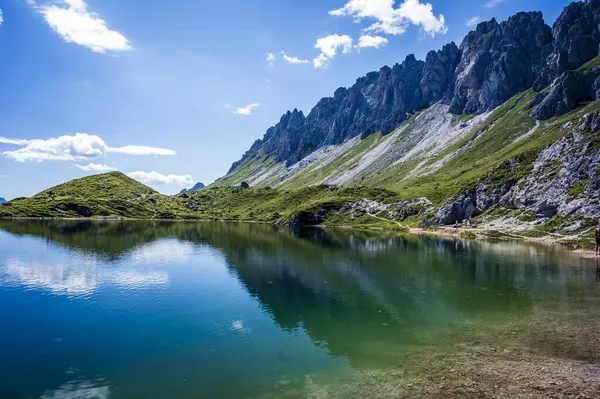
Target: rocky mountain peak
(493, 63)
(575, 40)
(197, 187)
(499, 60)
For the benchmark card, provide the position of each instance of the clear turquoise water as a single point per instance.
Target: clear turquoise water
(215, 310)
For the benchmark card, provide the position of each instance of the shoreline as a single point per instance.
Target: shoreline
(476, 234)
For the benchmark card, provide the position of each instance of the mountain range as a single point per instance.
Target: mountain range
(504, 127)
(445, 127)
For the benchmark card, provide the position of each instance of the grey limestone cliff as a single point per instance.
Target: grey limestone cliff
(493, 63)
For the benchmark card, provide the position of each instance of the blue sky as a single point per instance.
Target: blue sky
(174, 92)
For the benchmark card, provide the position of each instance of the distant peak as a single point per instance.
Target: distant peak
(197, 187)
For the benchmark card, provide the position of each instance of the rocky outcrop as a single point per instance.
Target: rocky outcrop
(439, 74)
(563, 181)
(306, 219)
(494, 62)
(575, 40)
(499, 61)
(197, 187)
(569, 89)
(379, 101)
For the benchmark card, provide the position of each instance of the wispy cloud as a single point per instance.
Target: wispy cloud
(293, 60)
(74, 23)
(472, 21)
(329, 46)
(372, 41)
(159, 178)
(394, 21)
(72, 148)
(95, 167)
(271, 59)
(492, 3)
(1, 16)
(141, 150)
(247, 110)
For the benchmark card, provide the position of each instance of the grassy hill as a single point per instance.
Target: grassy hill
(116, 195)
(110, 194)
(522, 166)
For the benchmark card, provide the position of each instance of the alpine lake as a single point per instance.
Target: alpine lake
(140, 309)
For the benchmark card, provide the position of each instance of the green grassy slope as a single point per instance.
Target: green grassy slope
(116, 195)
(508, 133)
(110, 194)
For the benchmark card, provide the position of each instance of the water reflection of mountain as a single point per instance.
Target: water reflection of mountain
(354, 291)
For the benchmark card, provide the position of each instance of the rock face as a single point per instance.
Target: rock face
(563, 181)
(499, 61)
(379, 101)
(494, 62)
(197, 187)
(567, 91)
(575, 40)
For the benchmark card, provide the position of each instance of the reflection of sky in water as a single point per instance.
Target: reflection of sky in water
(78, 274)
(237, 313)
(80, 390)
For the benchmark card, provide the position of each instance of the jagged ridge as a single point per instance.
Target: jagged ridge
(494, 62)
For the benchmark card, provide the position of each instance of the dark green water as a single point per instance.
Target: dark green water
(215, 310)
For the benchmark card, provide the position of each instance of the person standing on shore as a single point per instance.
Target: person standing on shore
(597, 239)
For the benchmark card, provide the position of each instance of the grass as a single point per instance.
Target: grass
(249, 168)
(589, 65)
(111, 194)
(490, 154)
(344, 161)
(485, 158)
(116, 195)
(578, 189)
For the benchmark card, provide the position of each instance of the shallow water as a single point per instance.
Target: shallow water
(216, 310)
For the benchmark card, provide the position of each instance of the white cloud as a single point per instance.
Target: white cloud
(247, 110)
(159, 178)
(95, 167)
(75, 24)
(1, 16)
(271, 59)
(394, 21)
(72, 148)
(4, 140)
(293, 60)
(329, 46)
(372, 41)
(167, 250)
(492, 3)
(472, 21)
(141, 150)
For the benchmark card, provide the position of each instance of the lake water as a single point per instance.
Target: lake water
(216, 310)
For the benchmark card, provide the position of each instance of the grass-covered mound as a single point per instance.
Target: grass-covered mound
(109, 194)
(116, 195)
